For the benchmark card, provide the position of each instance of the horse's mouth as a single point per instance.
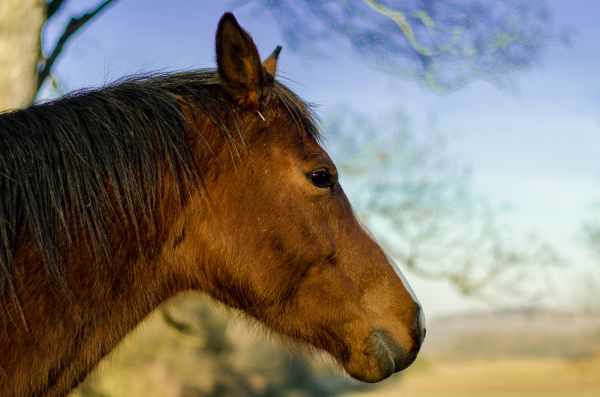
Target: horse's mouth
(379, 359)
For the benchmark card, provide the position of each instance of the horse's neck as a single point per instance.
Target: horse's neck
(67, 334)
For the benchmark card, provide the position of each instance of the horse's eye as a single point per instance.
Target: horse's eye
(321, 178)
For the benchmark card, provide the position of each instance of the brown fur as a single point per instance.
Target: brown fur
(259, 237)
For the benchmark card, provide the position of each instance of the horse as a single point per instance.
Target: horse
(114, 200)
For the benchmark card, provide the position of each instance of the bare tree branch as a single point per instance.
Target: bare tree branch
(52, 7)
(442, 44)
(72, 27)
(418, 200)
(591, 229)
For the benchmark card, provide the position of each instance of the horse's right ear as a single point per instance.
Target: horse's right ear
(239, 64)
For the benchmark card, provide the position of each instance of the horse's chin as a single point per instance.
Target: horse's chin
(377, 359)
(370, 368)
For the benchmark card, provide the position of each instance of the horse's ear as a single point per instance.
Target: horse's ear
(270, 64)
(239, 65)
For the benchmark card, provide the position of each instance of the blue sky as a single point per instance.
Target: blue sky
(534, 147)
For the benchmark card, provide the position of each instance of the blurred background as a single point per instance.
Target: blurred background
(467, 134)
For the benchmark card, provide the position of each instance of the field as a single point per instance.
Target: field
(512, 354)
(506, 378)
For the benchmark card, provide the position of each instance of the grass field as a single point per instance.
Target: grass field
(509, 378)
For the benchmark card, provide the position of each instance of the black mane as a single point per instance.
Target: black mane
(57, 159)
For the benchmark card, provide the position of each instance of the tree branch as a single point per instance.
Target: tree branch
(400, 19)
(52, 7)
(72, 27)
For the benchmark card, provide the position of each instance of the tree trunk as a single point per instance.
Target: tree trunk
(20, 26)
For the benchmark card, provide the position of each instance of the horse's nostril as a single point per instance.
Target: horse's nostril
(387, 349)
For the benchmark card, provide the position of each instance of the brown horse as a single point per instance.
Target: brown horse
(112, 201)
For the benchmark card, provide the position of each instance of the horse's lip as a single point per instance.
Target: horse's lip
(400, 366)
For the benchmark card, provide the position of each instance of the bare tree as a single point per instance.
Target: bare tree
(23, 65)
(418, 199)
(591, 229)
(444, 44)
(20, 25)
(72, 27)
(587, 294)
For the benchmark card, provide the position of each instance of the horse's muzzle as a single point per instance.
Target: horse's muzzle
(382, 353)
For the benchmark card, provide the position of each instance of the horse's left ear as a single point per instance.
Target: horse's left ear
(239, 64)
(270, 64)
